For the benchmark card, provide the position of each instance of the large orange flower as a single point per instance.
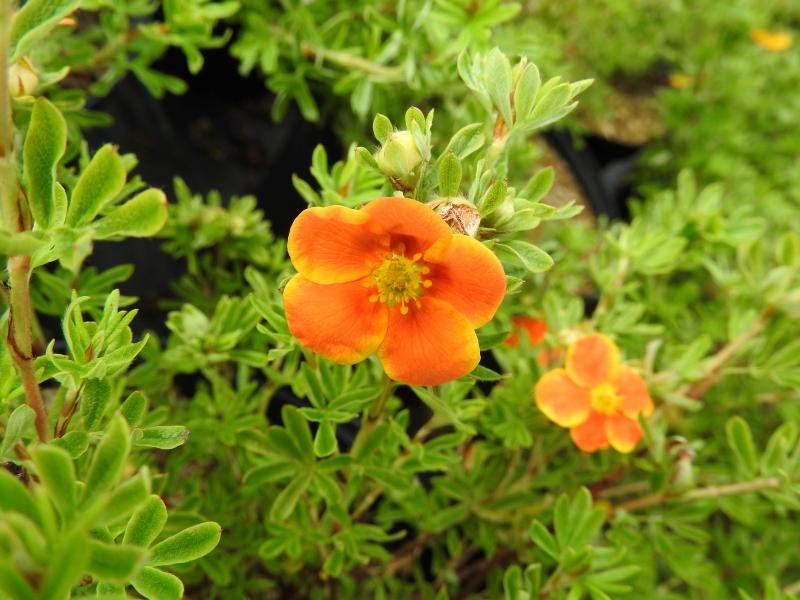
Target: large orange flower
(391, 278)
(595, 396)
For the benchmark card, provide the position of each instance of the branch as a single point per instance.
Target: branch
(712, 491)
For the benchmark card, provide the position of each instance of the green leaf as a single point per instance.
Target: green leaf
(74, 442)
(539, 185)
(187, 545)
(34, 20)
(67, 565)
(126, 498)
(544, 539)
(325, 440)
(133, 408)
(164, 437)
(13, 584)
(109, 458)
(382, 128)
(525, 92)
(449, 175)
(487, 341)
(467, 140)
(297, 428)
(18, 424)
(142, 216)
(285, 502)
(94, 399)
(113, 562)
(493, 197)
(57, 474)
(18, 244)
(740, 439)
(533, 258)
(482, 373)
(156, 584)
(146, 523)
(15, 498)
(512, 583)
(98, 184)
(497, 77)
(45, 143)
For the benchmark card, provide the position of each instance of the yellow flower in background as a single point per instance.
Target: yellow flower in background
(679, 81)
(774, 41)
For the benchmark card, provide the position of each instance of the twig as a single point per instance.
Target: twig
(16, 220)
(712, 491)
(713, 369)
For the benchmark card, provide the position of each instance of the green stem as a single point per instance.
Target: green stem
(373, 414)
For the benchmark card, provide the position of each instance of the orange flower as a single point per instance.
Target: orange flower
(774, 41)
(391, 278)
(595, 396)
(535, 330)
(530, 326)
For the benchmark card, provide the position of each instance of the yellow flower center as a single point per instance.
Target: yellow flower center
(399, 280)
(605, 399)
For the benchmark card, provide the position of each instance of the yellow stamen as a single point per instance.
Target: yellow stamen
(398, 281)
(605, 399)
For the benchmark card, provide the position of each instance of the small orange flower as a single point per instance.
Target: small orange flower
(534, 328)
(774, 41)
(595, 396)
(535, 331)
(391, 278)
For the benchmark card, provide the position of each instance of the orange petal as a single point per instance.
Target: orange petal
(534, 328)
(336, 321)
(623, 433)
(635, 398)
(409, 222)
(592, 360)
(563, 402)
(335, 244)
(431, 344)
(466, 275)
(590, 435)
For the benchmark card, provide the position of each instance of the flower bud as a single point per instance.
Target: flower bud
(22, 78)
(399, 158)
(462, 216)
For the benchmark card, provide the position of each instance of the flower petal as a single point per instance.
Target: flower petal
(336, 321)
(409, 222)
(335, 244)
(635, 398)
(534, 328)
(432, 344)
(590, 435)
(466, 275)
(563, 402)
(623, 432)
(592, 360)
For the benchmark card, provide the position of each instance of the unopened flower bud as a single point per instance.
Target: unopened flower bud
(462, 216)
(399, 158)
(22, 78)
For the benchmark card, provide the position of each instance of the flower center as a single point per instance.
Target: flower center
(605, 399)
(400, 280)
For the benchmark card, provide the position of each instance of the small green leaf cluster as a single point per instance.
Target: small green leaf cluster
(84, 522)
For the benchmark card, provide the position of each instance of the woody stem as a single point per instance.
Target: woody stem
(14, 220)
(713, 491)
